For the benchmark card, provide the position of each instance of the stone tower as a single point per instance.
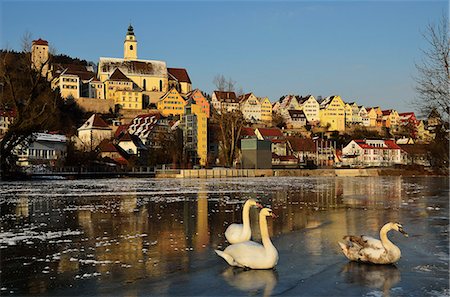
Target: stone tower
(39, 55)
(130, 45)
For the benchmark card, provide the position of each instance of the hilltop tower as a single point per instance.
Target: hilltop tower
(39, 55)
(130, 45)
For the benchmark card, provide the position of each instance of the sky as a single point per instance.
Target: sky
(364, 51)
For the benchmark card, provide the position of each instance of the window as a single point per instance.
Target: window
(131, 47)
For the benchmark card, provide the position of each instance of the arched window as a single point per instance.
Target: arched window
(160, 85)
(131, 47)
(144, 85)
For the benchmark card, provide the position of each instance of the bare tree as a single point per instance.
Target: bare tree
(227, 85)
(433, 79)
(229, 126)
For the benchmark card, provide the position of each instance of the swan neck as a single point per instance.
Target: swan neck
(246, 215)
(384, 238)
(264, 231)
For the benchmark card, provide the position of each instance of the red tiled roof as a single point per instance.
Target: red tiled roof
(244, 97)
(40, 42)
(126, 137)
(387, 112)
(180, 74)
(118, 75)
(99, 122)
(301, 144)
(226, 96)
(120, 130)
(247, 131)
(389, 143)
(107, 147)
(8, 113)
(270, 132)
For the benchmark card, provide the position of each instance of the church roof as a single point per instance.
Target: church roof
(133, 67)
(180, 74)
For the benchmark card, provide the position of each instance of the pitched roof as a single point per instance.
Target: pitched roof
(107, 147)
(95, 122)
(244, 97)
(179, 74)
(270, 132)
(40, 42)
(299, 144)
(293, 113)
(387, 112)
(133, 67)
(118, 75)
(390, 144)
(226, 96)
(247, 131)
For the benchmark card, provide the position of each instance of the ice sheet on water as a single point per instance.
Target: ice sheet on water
(13, 238)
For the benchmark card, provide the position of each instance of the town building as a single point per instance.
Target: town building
(250, 107)
(224, 101)
(171, 103)
(375, 152)
(310, 108)
(391, 118)
(295, 119)
(42, 148)
(375, 116)
(275, 135)
(266, 110)
(179, 79)
(92, 132)
(199, 99)
(40, 56)
(7, 117)
(195, 133)
(332, 113)
(256, 153)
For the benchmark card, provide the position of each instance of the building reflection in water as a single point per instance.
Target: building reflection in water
(251, 281)
(128, 237)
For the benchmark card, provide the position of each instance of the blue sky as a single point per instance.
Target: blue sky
(362, 50)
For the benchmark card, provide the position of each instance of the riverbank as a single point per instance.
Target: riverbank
(239, 173)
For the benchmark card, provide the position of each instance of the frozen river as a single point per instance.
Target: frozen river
(140, 237)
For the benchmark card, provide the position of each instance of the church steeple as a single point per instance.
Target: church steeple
(130, 45)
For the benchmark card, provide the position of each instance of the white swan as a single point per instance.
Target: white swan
(368, 249)
(250, 254)
(236, 233)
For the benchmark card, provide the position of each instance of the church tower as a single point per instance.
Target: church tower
(130, 45)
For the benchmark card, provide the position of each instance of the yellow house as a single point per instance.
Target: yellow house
(121, 89)
(172, 103)
(375, 116)
(391, 118)
(332, 113)
(195, 130)
(266, 109)
(199, 100)
(69, 85)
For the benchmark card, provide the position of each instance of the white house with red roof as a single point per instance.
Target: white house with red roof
(373, 152)
(92, 132)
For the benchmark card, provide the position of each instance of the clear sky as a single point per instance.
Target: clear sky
(363, 51)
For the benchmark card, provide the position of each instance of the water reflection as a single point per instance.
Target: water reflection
(382, 277)
(126, 230)
(251, 281)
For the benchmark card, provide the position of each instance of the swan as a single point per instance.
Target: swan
(236, 233)
(370, 250)
(250, 254)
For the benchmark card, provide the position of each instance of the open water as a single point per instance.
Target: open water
(141, 237)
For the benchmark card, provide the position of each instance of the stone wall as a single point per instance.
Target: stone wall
(95, 105)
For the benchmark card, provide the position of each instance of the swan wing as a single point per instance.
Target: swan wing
(372, 242)
(234, 233)
(373, 255)
(249, 254)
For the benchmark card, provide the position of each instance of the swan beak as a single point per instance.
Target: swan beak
(403, 232)
(259, 205)
(274, 215)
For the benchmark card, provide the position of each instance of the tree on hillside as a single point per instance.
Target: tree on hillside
(37, 107)
(433, 78)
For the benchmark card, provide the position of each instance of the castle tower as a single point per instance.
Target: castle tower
(130, 45)
(39, 55)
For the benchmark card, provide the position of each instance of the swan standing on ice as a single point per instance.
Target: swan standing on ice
(236, 233)
(370, 250)
(250, 254)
